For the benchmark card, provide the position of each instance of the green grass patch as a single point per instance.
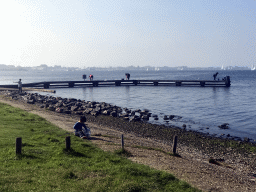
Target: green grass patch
(45, 164)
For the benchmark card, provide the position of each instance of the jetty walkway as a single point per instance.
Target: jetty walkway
(96, 83)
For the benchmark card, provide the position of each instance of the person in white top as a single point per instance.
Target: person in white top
(19, 85)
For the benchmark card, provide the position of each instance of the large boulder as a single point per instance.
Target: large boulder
(74, 108)
(51, 108)
(113, 114)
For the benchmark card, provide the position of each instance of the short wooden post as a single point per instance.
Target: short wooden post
(18, 145)
(175, 139)
(68, 142)
(122, 141)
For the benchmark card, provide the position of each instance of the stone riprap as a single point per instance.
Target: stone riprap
(79, 107)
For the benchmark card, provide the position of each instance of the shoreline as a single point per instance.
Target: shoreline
(139, 127)
(195, 149)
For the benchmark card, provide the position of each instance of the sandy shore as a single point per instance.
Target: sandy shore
(236, 172)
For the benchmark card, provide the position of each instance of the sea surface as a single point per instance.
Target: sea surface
(202, 109)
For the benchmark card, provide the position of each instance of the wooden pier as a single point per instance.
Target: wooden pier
(97, 83)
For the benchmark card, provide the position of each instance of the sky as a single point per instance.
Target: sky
(111, 33)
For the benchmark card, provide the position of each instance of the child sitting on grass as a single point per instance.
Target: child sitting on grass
(81, 130)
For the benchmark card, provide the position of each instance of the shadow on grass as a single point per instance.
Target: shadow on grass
(123, 152)
(72, 152)
(25, 156)
(28, 145)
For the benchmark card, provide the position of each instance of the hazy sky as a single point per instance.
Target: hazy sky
(94, 33)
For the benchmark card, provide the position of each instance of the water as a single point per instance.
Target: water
(201, 108)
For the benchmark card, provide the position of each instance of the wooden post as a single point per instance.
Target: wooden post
(18, 145)
(178, 83)
(71, 84)
(227, 81)
(202, 83)
(68, 142)
(175, 139)
(95, 84)
(46, 85)
(122, 141)
(118, 83)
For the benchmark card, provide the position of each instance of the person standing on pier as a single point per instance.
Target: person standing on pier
(127, 76)
(19, 85)
(215, 75)
(91, 77)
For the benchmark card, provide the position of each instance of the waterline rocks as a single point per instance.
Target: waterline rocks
(79, 107)
(224, 126)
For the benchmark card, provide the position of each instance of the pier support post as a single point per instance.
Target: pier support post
(135, 82)
(46, 85)
(178, 83)
(155, 83)
(71, 84)
(228, 81)
(202, 83)
(18, 145)
(95, 84)
(118, 83)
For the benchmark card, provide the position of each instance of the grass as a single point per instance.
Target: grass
(45, 164)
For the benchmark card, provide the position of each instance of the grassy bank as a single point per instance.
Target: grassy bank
(45, 165)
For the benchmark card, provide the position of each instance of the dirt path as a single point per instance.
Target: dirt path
(191, 167)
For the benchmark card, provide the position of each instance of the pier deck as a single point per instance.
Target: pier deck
(140, 82)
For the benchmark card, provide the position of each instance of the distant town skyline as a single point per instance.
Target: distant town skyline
(113, 33)
(44, 67)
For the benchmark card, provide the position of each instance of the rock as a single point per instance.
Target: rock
(126, 118)
(113, 114)
(31, 101)
(166, 117)
(67, 112)
(224, 126)
(145, 117)
(87, 111)
(246, 139)
(51, 108)
(135, 118)
(94, 113)
(59, 110)
(74, 108)
(106, 112)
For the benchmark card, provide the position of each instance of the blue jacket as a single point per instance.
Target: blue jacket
(79, 126)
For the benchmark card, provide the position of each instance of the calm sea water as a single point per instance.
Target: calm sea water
(201, 108)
